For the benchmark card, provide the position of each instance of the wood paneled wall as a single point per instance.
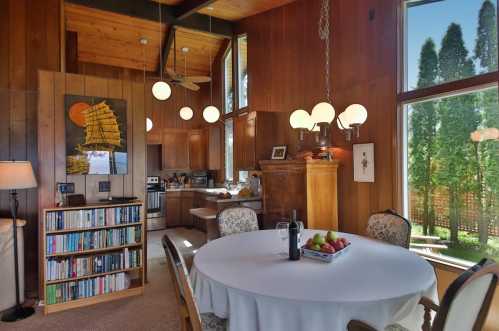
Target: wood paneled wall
(29, 40)
(53, 86)
(286, 72)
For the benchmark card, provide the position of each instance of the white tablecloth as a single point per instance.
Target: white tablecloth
(243, 278)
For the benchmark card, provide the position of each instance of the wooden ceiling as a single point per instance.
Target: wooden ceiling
(113, 39)
(200, 45)
(234, 10)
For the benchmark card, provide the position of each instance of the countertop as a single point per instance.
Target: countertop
(213, 192)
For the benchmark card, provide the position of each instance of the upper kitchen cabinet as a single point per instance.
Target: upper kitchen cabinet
(197, 150)
(253, 139)
(154, 138)
(214, 155)
(175, 149)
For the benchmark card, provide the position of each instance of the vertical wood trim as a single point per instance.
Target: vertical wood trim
(62, 37)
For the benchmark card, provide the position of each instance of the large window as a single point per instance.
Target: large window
(228, 86)
(451, 167)
(242, 70)
(229, 149)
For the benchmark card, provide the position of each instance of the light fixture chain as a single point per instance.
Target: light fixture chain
(160, 43)
(324, 32)
(211, 73)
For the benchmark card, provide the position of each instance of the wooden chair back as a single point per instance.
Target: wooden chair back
(466, 302)
(178, 272)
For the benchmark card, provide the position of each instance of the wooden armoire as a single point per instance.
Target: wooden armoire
(310, 187)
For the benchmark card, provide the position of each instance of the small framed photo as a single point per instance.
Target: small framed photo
(279, 152)
(363, 163)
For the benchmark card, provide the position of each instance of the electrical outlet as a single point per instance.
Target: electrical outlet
(105, 186)
(66, 188)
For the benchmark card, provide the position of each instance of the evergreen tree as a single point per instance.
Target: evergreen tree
(423, 123)
(458, 118)
(487, 163)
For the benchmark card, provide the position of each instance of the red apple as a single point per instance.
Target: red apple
(345, 242)
(338, 245)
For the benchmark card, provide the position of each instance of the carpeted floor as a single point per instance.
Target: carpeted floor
(155, 310)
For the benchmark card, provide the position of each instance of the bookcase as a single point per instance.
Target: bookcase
(92, 254)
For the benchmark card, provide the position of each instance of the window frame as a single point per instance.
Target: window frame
(228, 50)
(237, 82)
(404, 98)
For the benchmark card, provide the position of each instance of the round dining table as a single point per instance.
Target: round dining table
(246, 279)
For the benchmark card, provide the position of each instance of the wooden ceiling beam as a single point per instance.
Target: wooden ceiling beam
(166, 49)
(189, 7)
(149, 10)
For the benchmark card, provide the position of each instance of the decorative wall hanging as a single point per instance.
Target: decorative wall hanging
(96, 136)
(363, 163)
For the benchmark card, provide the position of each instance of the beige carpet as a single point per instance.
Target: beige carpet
(155, 310)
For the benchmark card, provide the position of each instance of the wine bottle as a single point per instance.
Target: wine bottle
(294, 230)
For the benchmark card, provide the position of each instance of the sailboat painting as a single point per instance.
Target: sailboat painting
(96, 136)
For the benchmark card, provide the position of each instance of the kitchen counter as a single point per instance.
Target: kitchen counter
(212, 194)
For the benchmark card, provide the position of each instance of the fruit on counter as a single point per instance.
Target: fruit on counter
(225, 195)
(245, 193)
(330, 243)
(319, 239)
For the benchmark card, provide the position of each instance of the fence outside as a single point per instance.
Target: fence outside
(469, 212)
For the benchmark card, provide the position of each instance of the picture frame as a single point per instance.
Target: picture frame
(279, 152)
(363, 163)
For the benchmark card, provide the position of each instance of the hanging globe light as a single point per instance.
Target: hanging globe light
(300, 119)
(323, 113)
(161, 90)
(186, 113)
(211, 114)
(356, 114)
(149, 124)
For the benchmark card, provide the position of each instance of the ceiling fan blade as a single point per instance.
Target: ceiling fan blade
(172, 73)
(190, 86)
(198, 79)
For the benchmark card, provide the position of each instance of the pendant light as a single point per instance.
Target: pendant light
(211, 114)
(161, 90)
(144, 41)
(186, 113)
(323, 113)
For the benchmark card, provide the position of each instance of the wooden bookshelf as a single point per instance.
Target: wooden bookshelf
(133, 275)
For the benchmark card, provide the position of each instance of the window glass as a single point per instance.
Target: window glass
(229, 149)
(449, 40)
(242, 69)
(228, 90)
(452, 173)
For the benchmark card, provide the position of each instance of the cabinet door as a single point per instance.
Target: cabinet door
(197, 150)
(173, 210)
(187, 205)
(244, 141)
(214, 153)
(175, 149)
(154, 137)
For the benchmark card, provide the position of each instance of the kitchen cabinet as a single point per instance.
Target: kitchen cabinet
(187, 204)
(175, 146)
(214, 155)
(197, 150)
(310, 187)
(173, 209)
(154, 137)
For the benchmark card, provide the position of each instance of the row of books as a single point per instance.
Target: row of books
(64, 292)
(90, 218)
(82, 241)
(71, 267)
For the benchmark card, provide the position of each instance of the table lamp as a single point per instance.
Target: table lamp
(16, 175)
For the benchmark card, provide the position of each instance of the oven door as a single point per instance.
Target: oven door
(156, 218)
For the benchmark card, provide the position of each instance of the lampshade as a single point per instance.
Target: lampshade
(300, 119)
(323, 113)
(344, 121)
(16, 175)
(356, 114)
(149, 124)
(211, 114)
(186, 113)
(316, 128)
(161, 90)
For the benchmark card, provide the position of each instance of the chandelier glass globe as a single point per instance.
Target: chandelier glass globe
(323, 113)
(300, 119)
(186, 113)
(149, 124)
(161, 90)
(211, 114)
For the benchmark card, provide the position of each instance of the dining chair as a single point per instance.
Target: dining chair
(236, 220)
(190, 317)
(390, 227)
(464, 306)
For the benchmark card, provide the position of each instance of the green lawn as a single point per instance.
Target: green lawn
(468, 247)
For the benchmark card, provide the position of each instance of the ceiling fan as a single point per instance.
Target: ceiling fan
(188, 82)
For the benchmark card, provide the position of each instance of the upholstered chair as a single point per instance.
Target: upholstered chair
(190, 317)
(390, 227)
(464, 306)
(236, 220)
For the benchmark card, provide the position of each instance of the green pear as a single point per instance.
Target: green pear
(319, 239)
(331, 236)
(316, 247)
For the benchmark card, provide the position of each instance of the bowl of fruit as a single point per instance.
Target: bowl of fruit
(325, 248)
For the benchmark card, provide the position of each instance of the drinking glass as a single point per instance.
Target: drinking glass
(301, 226)
(283, 231)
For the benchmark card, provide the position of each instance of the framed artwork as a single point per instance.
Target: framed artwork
(363, 163)
(279, 152)
(96, 135)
